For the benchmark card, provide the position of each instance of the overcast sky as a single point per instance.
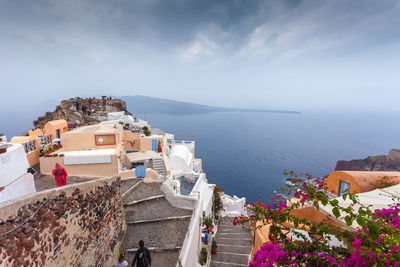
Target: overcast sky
(262, 54)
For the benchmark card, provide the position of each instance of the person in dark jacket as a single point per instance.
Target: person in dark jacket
(142, 256)
(60, 174)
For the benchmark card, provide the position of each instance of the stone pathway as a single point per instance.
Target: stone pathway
(151, 218)
(234, 244)
(44, 182)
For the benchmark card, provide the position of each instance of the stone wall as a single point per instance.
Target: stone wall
(76, 225)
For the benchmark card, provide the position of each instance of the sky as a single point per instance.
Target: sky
(251, 54)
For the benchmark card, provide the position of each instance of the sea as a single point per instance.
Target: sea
(246, 153)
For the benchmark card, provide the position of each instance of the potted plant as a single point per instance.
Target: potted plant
(214, 247)
(146, 131)
(208, 224)
(159, 148)
(203, 256)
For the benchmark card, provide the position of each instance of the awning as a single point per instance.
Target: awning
(378, 199)
(140, 156)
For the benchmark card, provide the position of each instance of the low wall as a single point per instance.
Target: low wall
(127, 174)
(75, 225)
(89, 170)
(177, 200)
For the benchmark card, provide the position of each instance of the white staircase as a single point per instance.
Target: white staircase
(158, 166)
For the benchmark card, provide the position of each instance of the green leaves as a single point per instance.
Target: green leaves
(334, 202)
(361, 221)
(373, 229)
(349, 220)
(336, 212)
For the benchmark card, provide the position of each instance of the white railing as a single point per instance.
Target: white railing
(172, 142)
(192, 243)
(233, 206)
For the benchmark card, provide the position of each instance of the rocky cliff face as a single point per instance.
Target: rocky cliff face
(83, 111)
(390, 162)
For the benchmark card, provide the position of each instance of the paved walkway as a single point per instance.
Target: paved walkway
(151, 218)
(234, 244)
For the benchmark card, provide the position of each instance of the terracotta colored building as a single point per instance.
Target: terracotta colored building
(40, 138)
(357, 181)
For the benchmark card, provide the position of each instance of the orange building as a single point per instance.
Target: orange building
(31, 146)
(51, 130)
(40, 138)
(357, 181)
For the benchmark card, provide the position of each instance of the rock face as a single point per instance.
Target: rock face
(82, 111)
(390, 162)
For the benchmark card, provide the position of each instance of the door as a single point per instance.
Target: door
(344, 187)
(154, 145)
(58, 133)
(140, 171)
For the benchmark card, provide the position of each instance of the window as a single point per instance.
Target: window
(343, 186)
(105, 139)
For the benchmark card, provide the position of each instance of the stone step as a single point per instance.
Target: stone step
(131, 189)
(247, 236)
(158, 258)
(160, 208)
(233, 241)
(234, 249)
(231, 257)
(156, 234)
(134, 202)
(157, 249)
(185, 217)
(144, 190)
(226, 264)
(128, 183)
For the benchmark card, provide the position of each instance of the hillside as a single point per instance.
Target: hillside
(82, 111)
(390, 162)
(141, 104)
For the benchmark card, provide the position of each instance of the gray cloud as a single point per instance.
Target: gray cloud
(281, 53)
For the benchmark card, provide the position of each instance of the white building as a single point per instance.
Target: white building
(14, 175)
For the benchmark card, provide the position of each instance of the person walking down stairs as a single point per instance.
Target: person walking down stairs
(142, 256)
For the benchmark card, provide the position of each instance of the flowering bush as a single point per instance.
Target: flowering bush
(371, 238)
(218, 205)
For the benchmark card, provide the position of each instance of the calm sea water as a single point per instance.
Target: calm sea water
(246, 153)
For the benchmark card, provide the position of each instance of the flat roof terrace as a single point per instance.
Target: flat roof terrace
(98, 128)
(44, 182)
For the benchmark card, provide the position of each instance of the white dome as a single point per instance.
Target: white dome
(180, 158)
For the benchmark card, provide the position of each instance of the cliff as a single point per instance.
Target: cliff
(82, 111)
(389, 162)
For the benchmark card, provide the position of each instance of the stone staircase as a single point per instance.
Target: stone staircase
(158, 166)
(151, 218)
(234, 244)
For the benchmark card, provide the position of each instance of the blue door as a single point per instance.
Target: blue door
(140, 171)
(154, 145)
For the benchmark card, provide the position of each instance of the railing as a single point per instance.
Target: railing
(30, 146)
(172, 142)
(173, 187)
(45, 139)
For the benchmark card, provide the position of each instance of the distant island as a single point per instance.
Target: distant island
(390, 162)
(141, 104)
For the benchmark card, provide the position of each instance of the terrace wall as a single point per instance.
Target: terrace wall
(76, 225)
(47, 164)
